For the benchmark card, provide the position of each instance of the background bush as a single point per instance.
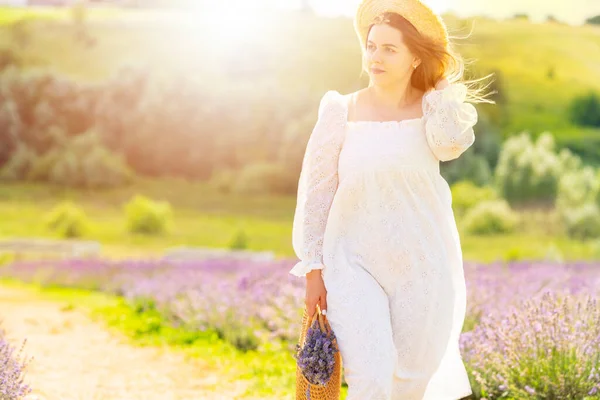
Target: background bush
(68, 220)
(264, 178)
(465, 195)
(585, 110)
(491, 217)
(582, 222)
(147, 216)
(529, 171)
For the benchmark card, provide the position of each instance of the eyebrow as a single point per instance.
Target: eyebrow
(383, 45)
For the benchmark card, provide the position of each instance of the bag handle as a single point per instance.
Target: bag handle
(322, 320)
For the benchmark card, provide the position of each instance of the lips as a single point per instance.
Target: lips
(377, 71)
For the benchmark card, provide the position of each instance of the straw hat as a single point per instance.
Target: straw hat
(421, 16)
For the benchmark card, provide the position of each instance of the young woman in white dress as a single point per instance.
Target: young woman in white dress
(373, 227)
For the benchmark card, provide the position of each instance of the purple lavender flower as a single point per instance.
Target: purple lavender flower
(511, 329)
(12, 371)
(547, 347)
(316, 359)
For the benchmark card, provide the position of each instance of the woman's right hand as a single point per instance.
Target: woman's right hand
(315, 292)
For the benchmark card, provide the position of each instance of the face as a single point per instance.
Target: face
(386, 58)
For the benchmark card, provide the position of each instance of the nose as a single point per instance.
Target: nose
(375, 57)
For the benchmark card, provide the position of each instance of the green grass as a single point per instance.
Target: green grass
(269, 372)
(204, 217)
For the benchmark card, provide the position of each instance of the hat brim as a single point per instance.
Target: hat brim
(422, 17)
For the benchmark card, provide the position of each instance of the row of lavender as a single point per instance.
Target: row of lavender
(532, 329)
(12, 370)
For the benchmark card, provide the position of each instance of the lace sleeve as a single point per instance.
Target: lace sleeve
(318, 183)
(449, 121)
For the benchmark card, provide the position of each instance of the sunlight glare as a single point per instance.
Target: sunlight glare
(231, 22)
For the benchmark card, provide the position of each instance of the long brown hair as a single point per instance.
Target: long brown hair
(437, 60)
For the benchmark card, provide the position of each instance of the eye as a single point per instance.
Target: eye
(390, 50)
(370, 47)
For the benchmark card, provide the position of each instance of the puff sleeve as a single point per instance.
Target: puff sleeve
(318, 183)
(449, 121)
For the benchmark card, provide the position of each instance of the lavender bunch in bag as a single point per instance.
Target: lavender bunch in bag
(316, 359)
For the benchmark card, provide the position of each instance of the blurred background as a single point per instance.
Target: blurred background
(173, 132)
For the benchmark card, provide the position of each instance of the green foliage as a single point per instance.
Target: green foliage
(529, 172)
(174, 125)
(148, 217)
(239, 241)
(465, 195)
(19, 165)
(578, 187)
(583, 222)
(585, 110)
(68, 220)
(578, 202)
(265, 178)
(513, 254)
(491, 217)
(594, 20)
(82, 161)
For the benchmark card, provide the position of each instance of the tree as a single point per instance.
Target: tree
(594, 20)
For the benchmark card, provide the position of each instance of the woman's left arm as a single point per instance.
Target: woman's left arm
(449, 120)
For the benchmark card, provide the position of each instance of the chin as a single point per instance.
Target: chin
(382, 80)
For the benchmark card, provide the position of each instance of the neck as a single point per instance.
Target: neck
(395, 95)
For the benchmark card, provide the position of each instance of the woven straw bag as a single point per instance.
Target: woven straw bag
(331, 391)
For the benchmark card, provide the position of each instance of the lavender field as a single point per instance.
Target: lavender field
(532, 329)
(12, 370)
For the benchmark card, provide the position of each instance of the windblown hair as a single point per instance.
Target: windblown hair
(437, 61)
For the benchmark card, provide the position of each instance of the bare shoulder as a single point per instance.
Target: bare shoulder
(352, 99)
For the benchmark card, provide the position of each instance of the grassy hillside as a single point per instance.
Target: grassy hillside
(540, 67)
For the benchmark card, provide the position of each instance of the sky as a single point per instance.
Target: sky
(570, 11)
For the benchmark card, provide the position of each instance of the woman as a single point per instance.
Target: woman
(374, 228)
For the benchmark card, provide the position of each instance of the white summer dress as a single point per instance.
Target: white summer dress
(374, 214)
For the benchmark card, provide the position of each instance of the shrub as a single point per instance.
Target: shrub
(585, 110)
(465, 195)
(578, 187)
(68, 220)
(147, 216)
(578, 203)
(513, 254)
(529, 171)
(239, 241)
(491, 217)
(582, 222)
(82, 161)
(264, 178)
(19, 165)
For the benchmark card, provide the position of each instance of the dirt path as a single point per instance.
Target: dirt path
(76, 358)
